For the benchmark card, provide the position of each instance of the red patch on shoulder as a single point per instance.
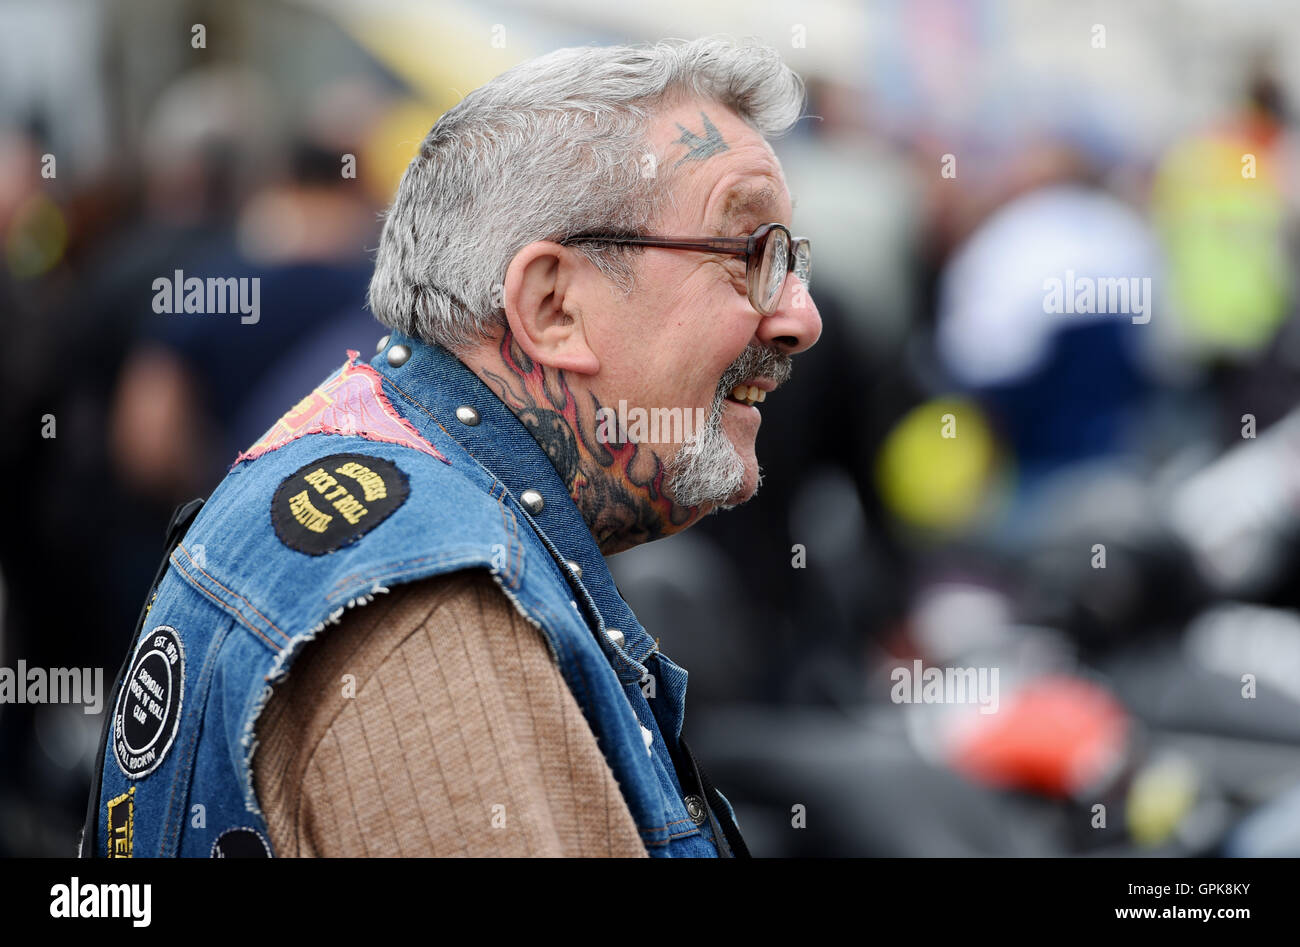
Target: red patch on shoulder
(351, 401)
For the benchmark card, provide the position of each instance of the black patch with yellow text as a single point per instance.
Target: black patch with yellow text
(336, 500)
(121, 825)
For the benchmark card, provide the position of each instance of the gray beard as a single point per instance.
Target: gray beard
(707, 467)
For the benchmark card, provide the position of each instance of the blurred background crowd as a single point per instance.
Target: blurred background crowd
(1113, 527)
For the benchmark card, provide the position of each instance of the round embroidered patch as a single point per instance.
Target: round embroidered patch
(148, 710)
(335, 501)
(241, 843)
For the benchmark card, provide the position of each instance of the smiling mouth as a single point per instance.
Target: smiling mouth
(747, 395)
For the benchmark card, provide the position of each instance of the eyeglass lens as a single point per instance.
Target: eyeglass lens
(772, 271)
(803, 261)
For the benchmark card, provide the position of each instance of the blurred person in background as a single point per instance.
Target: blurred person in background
(201, 162)
(184, 394)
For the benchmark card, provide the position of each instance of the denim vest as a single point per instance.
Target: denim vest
(380, 476)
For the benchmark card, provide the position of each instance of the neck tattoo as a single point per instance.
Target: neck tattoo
(618, 487)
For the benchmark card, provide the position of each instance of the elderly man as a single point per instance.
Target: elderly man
(591, 284)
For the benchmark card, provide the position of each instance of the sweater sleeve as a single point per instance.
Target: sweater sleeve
(434, 722)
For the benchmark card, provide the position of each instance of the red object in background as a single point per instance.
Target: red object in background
(1057, 735)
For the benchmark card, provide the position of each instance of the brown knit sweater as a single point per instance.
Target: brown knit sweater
(434, 721)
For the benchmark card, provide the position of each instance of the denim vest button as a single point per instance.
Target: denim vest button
(398, 355)
(467, 415)
(533, 500)
(574, 568)
(382, 342)
(695, 809)
(616, 636)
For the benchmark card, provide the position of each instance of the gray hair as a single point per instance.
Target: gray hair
(547, 150)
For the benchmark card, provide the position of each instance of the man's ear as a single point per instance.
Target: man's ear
(541, 301)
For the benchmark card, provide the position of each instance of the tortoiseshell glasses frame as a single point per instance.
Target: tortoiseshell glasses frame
(770, 254)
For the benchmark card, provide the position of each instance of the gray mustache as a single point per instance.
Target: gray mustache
(757, 361)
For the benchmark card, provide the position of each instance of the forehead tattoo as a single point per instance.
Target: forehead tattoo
(699, 147)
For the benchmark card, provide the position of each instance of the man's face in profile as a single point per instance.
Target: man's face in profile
(688, 335)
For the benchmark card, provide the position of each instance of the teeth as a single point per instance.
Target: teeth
(749, 394)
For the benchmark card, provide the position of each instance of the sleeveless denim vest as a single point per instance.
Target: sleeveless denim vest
(386, 473)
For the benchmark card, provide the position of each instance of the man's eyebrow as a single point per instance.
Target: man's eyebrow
(745, 200)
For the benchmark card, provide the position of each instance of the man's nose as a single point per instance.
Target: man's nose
(796, 324)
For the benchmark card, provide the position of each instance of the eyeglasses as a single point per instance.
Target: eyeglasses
(770, 254)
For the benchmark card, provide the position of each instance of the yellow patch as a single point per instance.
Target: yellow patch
(121, 825)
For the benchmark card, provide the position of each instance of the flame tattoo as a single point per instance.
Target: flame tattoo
(618, 487)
